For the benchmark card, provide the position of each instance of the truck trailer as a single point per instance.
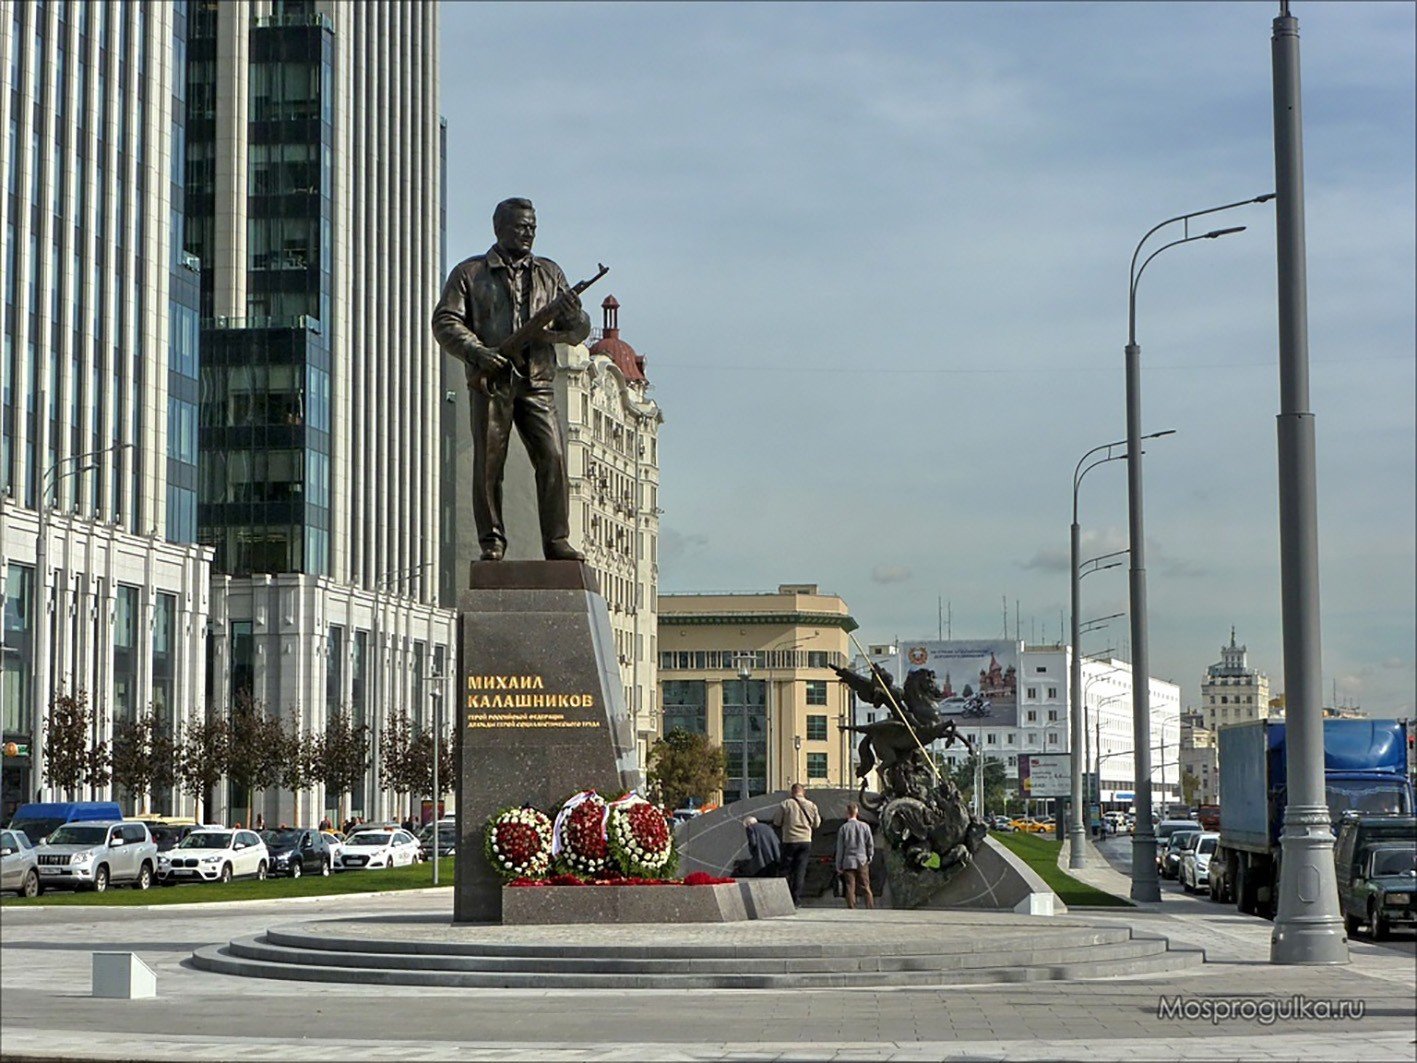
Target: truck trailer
(1365, 770)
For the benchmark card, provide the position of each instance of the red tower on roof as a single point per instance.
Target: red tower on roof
(610, 344)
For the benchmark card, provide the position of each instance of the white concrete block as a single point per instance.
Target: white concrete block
(122, 976)
(1036, 904)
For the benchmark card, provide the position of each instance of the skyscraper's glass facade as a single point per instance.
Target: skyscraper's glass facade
(265, 376)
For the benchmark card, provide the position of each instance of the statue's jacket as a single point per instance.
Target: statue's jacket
(478, 309)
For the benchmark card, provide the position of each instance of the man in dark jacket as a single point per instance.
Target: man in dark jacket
(486, 299)
(764, 852)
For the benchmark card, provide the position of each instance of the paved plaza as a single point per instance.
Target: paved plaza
(46, 1010)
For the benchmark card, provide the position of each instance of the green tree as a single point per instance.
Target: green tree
(684, 765)
(343, 755)
(300, 753)
(71, 757)
(256, 750)
(997, 785)
(202, 754)
(396, 768)
(144, 755)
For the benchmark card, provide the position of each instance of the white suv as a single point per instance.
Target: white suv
(215, 855)
(97, 855)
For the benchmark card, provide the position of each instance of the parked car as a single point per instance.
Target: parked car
(298, 852)
(1375, 857)
(334, 841)
(1169, 860)
(97, 855)
(19, 865)
(1194, 869)
(379, 848)
(215, 855)
(447, 840)
(40, 820)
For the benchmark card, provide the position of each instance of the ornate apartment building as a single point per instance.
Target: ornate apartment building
(612, 443)
(1232, 691)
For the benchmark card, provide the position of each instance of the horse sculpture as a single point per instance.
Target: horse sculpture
(923, 817)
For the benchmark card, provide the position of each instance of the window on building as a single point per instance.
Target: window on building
(991, 739)
(816, 766)
(1011, 738)
(816, 728)
(1052, 739)
(817, 692)
(1052, 715)
(683, 704)
(1032, 694)
(1032, 716)
(1052, 692)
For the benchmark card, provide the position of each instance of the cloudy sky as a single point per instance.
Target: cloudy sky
(876, 256)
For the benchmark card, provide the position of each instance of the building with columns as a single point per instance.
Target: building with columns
(1200, 760)
(105, 587)
(753, 672)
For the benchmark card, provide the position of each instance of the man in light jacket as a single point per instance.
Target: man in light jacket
(797, 818)
(854, 850)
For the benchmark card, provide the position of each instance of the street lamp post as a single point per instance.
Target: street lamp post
(39, 697)
(745, 669)
(1076, 832)
(1145, 885)
(1308, 927)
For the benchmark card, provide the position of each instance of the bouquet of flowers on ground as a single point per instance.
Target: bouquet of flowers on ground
(579, 843)
(639, 838)
(518, 843)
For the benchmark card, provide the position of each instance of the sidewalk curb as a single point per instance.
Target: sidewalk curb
(190, 905)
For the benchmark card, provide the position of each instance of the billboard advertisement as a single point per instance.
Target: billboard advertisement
(986, 668)
(1045, 774)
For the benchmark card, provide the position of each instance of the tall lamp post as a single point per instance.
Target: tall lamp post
(1076, 832)
(1145, 885)
(744, 661)
(39, 703)
(1308, 927)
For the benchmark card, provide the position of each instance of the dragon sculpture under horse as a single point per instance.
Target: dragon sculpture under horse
(923, 816)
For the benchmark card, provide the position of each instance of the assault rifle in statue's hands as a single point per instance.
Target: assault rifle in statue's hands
(513, 348)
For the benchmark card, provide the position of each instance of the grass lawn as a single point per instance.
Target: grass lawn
(1041, 854)
(416, 876)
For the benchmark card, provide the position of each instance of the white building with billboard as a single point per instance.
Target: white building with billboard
(1025, 689)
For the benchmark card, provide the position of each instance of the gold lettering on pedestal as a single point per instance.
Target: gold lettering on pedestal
(487, 694)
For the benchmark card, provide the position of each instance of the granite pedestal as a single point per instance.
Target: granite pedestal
(732, 902)
(542, 706)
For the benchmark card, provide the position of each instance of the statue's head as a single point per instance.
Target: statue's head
(514, 222)
(920, 681)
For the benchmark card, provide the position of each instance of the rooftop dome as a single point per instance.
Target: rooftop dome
(613, 347)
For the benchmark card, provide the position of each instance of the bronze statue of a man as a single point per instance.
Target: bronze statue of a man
(486, 300)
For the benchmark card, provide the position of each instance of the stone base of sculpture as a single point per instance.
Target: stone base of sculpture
(541, 707)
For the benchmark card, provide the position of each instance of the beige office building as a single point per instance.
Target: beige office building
(1232, 691)
(753, 672)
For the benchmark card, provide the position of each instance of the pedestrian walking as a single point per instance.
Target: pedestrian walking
(797, 818)
(854, 849)
(764, 852)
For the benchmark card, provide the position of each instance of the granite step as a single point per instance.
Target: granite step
(261, 948)
(1146, 957)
